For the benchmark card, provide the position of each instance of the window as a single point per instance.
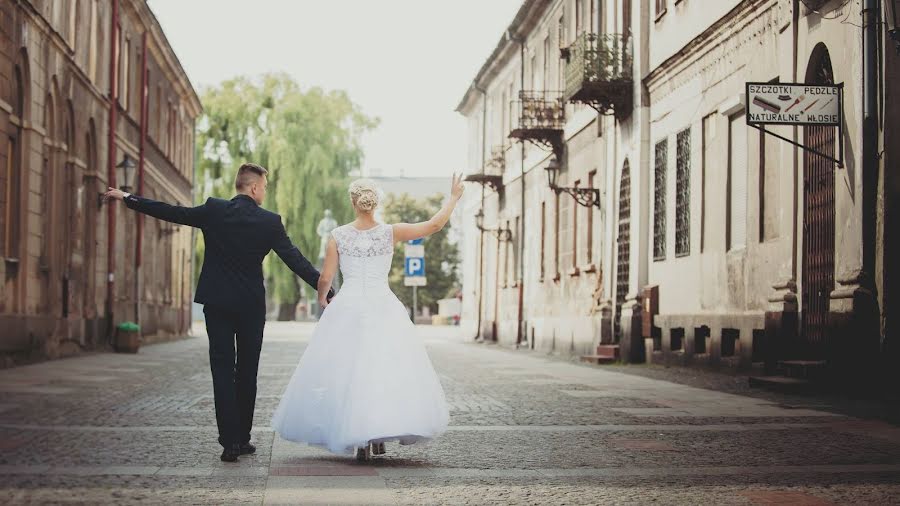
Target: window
(92, 43)
(73, 13)
(543, 238)
(12, 172)
(125, 76)
(659, 200)
(507, 263)
(560, 63)
(574, 207)
(626, 20)
(159, 109)
(660, 8)
(768, 188)
(547, 58)
(517, 236)
(736, 228)
(579, 16)
(683, 193)
(556, 238)
(534, 72)
(589, 244)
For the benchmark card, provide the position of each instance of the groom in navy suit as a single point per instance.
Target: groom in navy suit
(238, 234)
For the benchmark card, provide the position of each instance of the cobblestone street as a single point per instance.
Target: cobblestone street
(525, 429)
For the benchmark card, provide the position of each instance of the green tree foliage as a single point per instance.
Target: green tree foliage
(441, 257)
(309, 140)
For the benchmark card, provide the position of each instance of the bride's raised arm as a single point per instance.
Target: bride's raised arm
(410, 231)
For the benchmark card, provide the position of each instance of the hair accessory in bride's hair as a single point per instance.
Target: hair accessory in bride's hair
(364, 194)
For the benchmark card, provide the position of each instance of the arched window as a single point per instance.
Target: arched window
(13, 173)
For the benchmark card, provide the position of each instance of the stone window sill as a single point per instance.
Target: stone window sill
(589, 268)
(573, 272)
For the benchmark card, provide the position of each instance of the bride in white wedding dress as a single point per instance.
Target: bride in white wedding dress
(365, 377)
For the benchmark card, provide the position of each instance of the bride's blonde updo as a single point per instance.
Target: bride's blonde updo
(364, 194)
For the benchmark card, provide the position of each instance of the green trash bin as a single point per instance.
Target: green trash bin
(128, 337)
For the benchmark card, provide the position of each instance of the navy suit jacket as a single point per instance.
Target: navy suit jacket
(238, 234)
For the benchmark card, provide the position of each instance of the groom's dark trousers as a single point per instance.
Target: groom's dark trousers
(237, 234)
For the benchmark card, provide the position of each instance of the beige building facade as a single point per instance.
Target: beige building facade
(85, 85)
(699, 240)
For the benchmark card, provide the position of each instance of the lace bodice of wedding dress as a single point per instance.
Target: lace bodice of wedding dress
(365, 258)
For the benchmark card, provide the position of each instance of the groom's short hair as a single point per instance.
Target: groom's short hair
(247, 174)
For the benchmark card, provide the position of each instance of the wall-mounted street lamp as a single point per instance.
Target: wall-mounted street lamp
(126, 168)
(503, 234)
(125, 174)
(586, 197)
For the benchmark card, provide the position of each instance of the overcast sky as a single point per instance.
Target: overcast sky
(407, 62)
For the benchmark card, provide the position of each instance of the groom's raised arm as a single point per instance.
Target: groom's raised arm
(191, 216)
(292, 257)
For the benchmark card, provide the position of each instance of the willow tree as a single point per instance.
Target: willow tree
(308, 139)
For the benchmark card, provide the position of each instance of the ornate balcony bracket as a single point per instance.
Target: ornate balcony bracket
(492, 180)
(541, 119)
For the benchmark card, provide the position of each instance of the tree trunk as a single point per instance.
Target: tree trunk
(286, 311)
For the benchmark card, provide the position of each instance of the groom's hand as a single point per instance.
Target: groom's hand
(113, 194)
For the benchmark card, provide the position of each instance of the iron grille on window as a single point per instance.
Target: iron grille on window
(623, 245)
(659, 201)
(683, 193)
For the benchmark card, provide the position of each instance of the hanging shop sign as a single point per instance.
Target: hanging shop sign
(797, 104)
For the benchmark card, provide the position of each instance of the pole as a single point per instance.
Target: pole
(111, 170)
(415, 302)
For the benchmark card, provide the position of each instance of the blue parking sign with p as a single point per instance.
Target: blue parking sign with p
(415, 266)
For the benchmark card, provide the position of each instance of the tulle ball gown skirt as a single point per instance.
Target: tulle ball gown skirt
(364, 377)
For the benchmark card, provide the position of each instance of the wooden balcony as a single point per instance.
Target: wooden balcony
(599, 73)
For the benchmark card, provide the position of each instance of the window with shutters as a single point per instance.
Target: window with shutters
(659, 200)
(736, 229)
(683, 193)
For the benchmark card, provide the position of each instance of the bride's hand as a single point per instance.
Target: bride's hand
(456, 186)
(323, 302)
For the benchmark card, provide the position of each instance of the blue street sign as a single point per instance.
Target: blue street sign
(415, 266)
(416, 241)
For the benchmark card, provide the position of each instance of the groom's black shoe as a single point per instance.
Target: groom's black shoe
(247, 449)
(231, 453)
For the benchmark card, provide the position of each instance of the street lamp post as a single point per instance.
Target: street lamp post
(503, 234)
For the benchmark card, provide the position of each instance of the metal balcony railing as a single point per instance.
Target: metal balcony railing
(599, 72)
(539, 110)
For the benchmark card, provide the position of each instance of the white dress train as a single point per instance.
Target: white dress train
(365, 375)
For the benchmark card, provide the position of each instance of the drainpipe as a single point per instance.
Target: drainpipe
(481, 232)
(871, 19)
(140, 181)
(111, 168)
(521, 232)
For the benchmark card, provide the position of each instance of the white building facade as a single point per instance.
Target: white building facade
(694, 238)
